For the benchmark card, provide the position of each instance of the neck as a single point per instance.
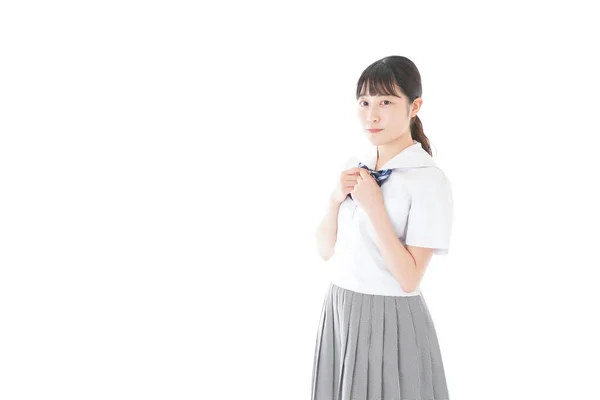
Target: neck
(386, 152)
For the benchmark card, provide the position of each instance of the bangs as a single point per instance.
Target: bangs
(379, 80)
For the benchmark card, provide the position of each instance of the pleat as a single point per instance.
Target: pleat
(391, 351)
(351, 345)
(317, 354)
(336, 363)
(360, 376)
(375, 347)
(376, 350)
(321, 389)
(438, 377)
(423, 347)
(408, 354)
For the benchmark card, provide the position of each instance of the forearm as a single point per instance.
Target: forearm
(397, 258)
(326, 234)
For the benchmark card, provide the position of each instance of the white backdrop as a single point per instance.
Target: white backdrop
(163, 168)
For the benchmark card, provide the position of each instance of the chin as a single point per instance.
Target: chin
(375, 139)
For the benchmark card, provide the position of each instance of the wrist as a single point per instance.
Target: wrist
(335, 202)
(376, 211)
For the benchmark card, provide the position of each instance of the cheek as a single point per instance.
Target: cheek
(400, 122)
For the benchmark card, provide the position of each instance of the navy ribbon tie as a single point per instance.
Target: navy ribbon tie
(380, 176)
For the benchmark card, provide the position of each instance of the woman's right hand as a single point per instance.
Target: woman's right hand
(345, 185)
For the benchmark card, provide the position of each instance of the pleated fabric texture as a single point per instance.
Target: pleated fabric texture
(376, 347)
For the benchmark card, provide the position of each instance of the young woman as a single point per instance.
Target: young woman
(391, 210)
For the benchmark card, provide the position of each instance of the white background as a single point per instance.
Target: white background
(163, 167)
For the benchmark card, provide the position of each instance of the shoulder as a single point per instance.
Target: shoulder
(430, 180)
(427, 175)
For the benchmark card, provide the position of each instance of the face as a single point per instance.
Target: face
(391, 113)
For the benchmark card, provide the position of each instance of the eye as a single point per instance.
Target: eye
(360, 103)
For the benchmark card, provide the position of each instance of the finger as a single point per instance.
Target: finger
(366, 175)
(350, 179)
(354, 171)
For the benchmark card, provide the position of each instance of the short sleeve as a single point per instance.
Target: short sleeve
(431, 213)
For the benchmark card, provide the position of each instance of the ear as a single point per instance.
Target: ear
(416, 106)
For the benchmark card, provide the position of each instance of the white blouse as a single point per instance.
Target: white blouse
(418, 199)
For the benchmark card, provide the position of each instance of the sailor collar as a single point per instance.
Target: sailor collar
(413, 156)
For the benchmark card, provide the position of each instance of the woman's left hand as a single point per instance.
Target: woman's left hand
(367, 192)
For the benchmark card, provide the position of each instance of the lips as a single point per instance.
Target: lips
(374, 130)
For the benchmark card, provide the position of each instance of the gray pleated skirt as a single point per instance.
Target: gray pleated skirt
(376, 347)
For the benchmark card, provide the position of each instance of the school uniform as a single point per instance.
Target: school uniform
(375, 341)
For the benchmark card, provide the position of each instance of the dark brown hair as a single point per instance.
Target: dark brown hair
(383, 76)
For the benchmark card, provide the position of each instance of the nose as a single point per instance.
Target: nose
(372, 117)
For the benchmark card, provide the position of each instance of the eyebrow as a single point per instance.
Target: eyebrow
(379, 95)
